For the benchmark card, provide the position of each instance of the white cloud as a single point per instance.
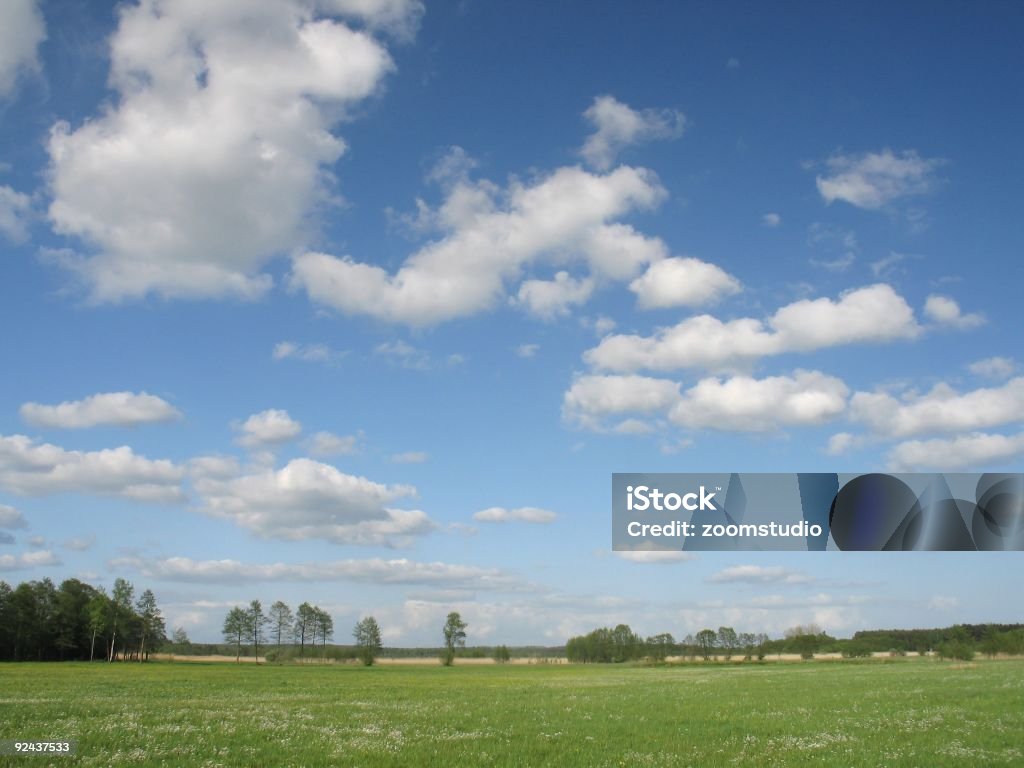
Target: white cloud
(310, 500)
(656, 557)
(519, 515)
(592, 397)
(943, 310)
(842, 443)
(759, 574)
(400, 18)
(368, 571)
(746, 404)
(964, 451)
(993, 367)
(22, 29)
(11, 518)
(38, 559)
(37, 542)
(218, 145)
(307, 353)
(682, 282)
(329, 444)
(874, 179)
(548, 299)
(32, 468)
(270, 427)
(941, 409)
(527, 350)
(616, 126)
(490, 236)
(214, 466)
(875, 313)
(410, 457)
(121, 409)
(14, 209)
(771, 220)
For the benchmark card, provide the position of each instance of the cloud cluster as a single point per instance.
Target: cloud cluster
(33, 468)
(976, 449)
(121, 409)
(875, 313)
(215, 151)
(307, 499)
(14, 212)
(737, 403)
(942, 310)
(39, 559)
(759, 574)
(490, 236)
(874, 179)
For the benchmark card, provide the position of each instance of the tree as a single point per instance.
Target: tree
(727, 641)
(153, 628)
(99, 610)
(323, 625)
(502, 655)
(659, 647)
(256, 620)
(747, 642)
(280, 621)
(180, 637)
(304, 626)
(236, 629)
(706, 642)
(454, 637)
(367, 636)
(120, 611)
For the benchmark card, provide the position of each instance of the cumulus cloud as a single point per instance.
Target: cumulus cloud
(307, 499)
(14, 210)
(993, 367)
(518, 515)
(307, 353)
(548, 299)
(592, 397)
(943, 310)
(941, 409)
(217, 148)
(39, 559)
(368, 571)
(682, 282)
(270, 427)
(617, 125)
(22, 29)
(759, 574)
(874, 179)
(841, 443)
(490, 236)
(743, 403)
(964, 451)
(11, 518)
(738, 403)
(32, 468)
(120, 409)
(875, 313)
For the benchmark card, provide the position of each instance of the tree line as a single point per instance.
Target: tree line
(77, 621)
(962, 641)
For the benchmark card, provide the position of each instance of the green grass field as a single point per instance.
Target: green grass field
(907, 712)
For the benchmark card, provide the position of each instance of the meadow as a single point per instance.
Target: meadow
(852, 713)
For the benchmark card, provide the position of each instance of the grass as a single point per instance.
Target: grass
(873, 713)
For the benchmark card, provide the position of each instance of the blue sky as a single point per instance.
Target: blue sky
(362, 303)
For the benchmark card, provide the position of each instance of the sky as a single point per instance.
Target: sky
(362, 302)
